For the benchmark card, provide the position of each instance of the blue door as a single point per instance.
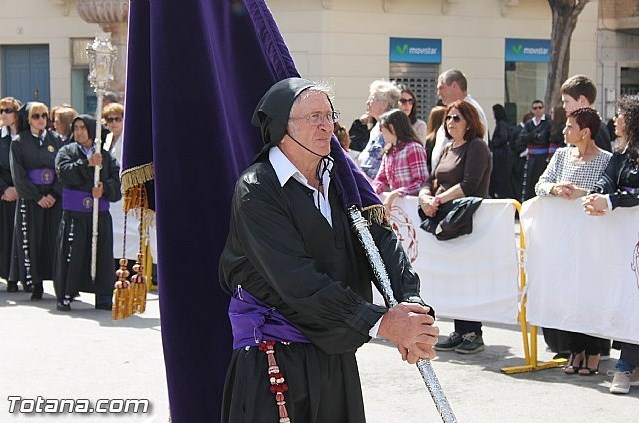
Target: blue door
(25, 73)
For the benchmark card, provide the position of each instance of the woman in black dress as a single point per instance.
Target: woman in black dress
(38, 210)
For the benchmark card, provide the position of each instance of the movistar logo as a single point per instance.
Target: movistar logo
(403, 49)
(517, 49)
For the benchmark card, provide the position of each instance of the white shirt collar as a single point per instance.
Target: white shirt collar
(285, 169)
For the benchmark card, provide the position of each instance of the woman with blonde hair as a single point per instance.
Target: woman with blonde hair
(39, 211)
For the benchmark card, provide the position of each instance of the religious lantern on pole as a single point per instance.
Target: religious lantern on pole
(102, 56)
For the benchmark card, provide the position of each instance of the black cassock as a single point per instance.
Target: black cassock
(283, 251)
(36, 228)
(7, 208)
(73, 261)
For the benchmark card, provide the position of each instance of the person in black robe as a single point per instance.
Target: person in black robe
(75, 165)
(300, 283)
(8, 194)
(38, 209)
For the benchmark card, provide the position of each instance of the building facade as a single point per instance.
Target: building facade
(503, 46)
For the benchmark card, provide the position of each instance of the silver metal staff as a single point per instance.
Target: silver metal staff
(360, 227)
(102, 55)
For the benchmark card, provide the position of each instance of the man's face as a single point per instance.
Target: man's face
(538, 110)
(311, 123)
(448, 93)
(571, 104)
(80, 134)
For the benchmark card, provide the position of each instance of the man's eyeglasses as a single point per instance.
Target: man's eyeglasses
(318, 118)
(8, 111)
(407, 100)
(537, 107)
(113, 119)
(37, 116)
(455, 118)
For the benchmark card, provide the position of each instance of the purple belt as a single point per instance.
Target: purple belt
(533, 151)
(630, 190)
(81, 201)
(253, 321)
(42, 176)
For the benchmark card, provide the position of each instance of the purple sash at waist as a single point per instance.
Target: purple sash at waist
(630, 190)
(253, 321)
(42, 176)
(81, 201)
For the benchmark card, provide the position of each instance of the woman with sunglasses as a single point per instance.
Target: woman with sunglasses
(39, 212)
(463, 170)
(8, 194)
(619, 187)
(407, 103)
(403, 168)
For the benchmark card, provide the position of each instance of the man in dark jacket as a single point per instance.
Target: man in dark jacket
(535, 135)
(75, 165)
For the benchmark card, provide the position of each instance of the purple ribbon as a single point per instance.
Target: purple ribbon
(630, 190)
(253, 321)
(81, 201)
(42, 176)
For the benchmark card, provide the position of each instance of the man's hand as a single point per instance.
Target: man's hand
(95, 160)
(98, 191)
(411, 328)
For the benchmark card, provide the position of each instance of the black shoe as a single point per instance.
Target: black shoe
(63, 305)
(12, 286)
(449, 343)
(27, 286)
(471, 344)
(37, 292)
(104, 307)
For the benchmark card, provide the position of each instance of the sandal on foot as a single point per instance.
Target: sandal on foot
(591, 365)
(575, 361)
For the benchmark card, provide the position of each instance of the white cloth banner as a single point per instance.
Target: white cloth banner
(582, 271)
(473, 277)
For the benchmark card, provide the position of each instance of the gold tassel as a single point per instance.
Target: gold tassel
(377, 213)
(138, 175)
(123, 304)
(138, 282)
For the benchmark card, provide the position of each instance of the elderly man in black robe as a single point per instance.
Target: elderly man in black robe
(75, 166)
(300, 283)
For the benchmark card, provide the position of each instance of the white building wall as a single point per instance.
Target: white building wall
(24, 22)
(347, 42)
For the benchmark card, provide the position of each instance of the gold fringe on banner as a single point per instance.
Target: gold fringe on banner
(137, 176)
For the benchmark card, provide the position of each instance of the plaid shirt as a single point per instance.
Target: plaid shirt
(403, 167)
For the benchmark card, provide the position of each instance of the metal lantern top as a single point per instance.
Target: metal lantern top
(102, 56)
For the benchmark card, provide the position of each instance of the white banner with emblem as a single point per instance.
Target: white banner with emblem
(582, 271)
(473, 277)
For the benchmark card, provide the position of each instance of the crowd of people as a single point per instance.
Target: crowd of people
(48, 160)
(564, 154)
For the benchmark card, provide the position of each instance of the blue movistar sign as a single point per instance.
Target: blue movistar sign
(415, 50)
(527, 50)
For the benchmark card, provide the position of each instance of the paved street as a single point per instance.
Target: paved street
(84, 354)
